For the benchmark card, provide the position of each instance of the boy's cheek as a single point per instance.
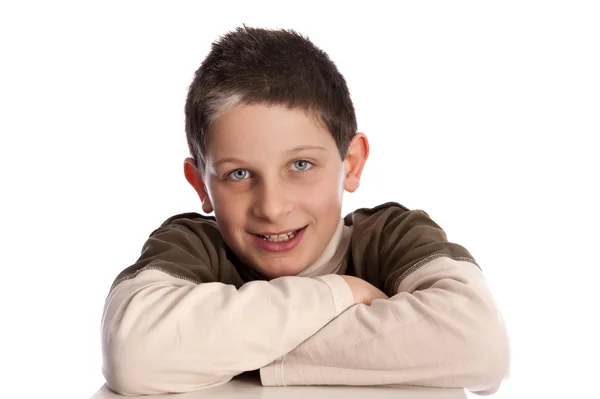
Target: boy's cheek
(324, 195)
(228, 201)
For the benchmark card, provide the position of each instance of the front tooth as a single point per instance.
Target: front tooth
(280, 237)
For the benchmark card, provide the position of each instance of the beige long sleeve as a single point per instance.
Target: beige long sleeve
(161, 334)
(442, 329)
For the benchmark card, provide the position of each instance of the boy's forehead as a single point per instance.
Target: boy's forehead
(258, 128)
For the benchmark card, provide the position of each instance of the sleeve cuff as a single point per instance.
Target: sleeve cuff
(340, 292)
(273, 374)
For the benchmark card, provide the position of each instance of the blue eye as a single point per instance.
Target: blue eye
(302, 165)
(238, 174)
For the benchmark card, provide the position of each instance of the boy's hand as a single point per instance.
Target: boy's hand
(363, 291)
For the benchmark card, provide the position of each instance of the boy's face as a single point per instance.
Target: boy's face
(271, 170)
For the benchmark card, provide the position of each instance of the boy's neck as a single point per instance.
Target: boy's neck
(322, 261)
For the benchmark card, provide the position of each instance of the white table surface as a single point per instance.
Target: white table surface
(249, 387)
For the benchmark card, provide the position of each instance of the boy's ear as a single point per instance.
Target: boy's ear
(358, 152)
(194, 177)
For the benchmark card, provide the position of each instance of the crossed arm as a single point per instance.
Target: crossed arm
(441, 329)
(162, 334)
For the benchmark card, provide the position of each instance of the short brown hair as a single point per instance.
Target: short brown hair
(275, 67)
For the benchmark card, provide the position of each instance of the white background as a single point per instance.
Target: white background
(484, 114)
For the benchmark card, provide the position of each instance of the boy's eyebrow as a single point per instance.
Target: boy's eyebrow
(226, 160)
(305, 148)
(291, 151)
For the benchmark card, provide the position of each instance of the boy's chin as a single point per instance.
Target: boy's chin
(281, 270)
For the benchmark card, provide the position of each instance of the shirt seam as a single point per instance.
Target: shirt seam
(428, 259)
(279, 373)
(151, 267)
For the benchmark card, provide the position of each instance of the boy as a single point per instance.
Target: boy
(278, 280)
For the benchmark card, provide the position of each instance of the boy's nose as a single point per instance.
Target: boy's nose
(272, 202)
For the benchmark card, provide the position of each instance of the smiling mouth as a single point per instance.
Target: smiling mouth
(280, 237)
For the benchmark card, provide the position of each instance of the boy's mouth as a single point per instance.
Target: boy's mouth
(282, 237)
